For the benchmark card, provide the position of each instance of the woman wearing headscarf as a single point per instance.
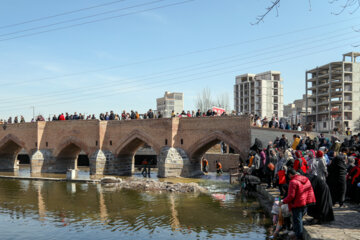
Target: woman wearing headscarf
(322, 211)
(271, 160)
(321, 168)
(337, 179)
(353, 179)
(326, 143)
(300, 164)
(312, 163)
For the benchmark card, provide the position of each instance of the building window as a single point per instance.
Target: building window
(324, 124)
(178, 97)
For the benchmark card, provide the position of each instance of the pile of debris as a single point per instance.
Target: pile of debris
(152, 185)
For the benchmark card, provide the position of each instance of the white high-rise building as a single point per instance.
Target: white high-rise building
(333, 94)
(259, 94)
(170, 102)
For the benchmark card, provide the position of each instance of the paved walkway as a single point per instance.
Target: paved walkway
(345, 227)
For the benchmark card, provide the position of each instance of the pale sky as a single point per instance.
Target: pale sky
(92, 56)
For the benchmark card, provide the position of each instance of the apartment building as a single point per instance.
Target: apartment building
(333, 94)
(260, 94)
(171, 101)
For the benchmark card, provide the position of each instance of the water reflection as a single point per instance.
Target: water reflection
(102, 205)
(95, 212)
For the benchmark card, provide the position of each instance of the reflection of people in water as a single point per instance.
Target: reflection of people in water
(218, 168)
(144, 163)
(205, 165)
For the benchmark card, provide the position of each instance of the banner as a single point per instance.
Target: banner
(218, 110)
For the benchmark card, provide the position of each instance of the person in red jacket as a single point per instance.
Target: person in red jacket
(300, 195)
(62, 117)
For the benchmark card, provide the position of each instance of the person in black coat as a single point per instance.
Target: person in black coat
(337, 179)
(322, 211)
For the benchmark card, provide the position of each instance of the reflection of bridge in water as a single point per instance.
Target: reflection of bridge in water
(87, 204)
(110, 146)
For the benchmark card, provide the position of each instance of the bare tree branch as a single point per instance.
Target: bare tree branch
(274, 4)
(204, 101)
(351, 5)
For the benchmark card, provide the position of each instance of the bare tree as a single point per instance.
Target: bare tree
(223, 101)
(204, 101)
(351, 5)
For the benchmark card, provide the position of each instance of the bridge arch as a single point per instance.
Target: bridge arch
(201, 147)
(10, 146)
(124, 155)
(66, 154)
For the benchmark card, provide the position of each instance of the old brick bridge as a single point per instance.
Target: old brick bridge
(111, 145)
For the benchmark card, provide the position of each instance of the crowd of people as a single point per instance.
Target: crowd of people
(108, 116)
(312, 174)
(275, 122)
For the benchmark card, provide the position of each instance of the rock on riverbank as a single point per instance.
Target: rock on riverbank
(152, 185)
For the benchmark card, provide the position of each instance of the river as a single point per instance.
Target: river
(64, 210)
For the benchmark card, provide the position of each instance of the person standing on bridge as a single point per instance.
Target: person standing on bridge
(205, 165)
(62, 117)
(150, 114)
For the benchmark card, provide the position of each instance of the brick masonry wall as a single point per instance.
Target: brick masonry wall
(227, 161)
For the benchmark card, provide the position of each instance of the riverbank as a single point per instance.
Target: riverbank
(345, 226)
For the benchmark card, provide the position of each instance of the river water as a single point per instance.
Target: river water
(63, 210)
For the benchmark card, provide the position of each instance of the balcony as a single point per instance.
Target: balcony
(323, 84)
(323, 94)
(323, 103)
(323, 111)
(336, 81)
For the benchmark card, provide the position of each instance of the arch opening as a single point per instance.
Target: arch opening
(145, 154)
(71, 157)
(23, 161)
(8, 156)
(135, 155)
(215, 149)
